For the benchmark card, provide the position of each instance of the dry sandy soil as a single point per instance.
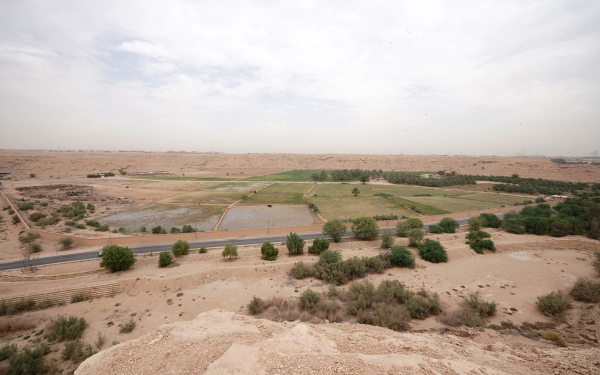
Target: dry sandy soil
(524, 267)
(53, 165)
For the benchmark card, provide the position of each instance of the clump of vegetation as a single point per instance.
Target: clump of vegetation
(309, 300)
(127, 327)
(473, 313)
(8, 351)
(300, 270)
(475, 224)
(35, 247)
(554, 305)
(23, 305)
(165, 259)
(432, 251)
(449, 225)
(202, 250)
(597, 263)
(268, 251)
(365, 227)
(100, 340)
(63, 329)
(175, 230)
(402, 257)
(187, 229)
(335, 228)
(294, 244)
(28, 238)
(35, 216)
(94, 175)
(415, 237)
(77, 351)
(230, 251)
(387, 240)
(80, 297)
(553, 336)
(256, 306)
(25, 206)
(586, 290)
(180, 247)
(66, 242)
(30, 362)
(490, 221)
(478, 241)
(116, 258)
(158, 230)
(385, 217)
(15, 219)
(50, 220)
(75, 210)
(435, 229)
(318, 246)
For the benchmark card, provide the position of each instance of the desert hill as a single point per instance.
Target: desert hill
(47, 165)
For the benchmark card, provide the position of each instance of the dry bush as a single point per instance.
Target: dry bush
(473, 312)
(553, 336)
(14, 325)
(256, 306)
(586, 290)
(554, 304)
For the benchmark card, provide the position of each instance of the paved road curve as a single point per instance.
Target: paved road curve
(142, 249)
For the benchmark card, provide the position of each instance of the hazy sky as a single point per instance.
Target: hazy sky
(422, 77)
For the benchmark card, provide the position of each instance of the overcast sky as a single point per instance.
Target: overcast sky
(422, 77)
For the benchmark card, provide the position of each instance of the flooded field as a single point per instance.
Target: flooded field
(255, 217)
(203, 218)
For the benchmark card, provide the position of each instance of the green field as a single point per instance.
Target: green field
(274, 197)
(454, 204)
(295, 175)
(183, 178)
(425, 209)
(410, 191)
(340, 190)
(289, 188)
(496, 198)
(207, 197)
(352, 207)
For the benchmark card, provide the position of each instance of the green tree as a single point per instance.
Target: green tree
(449, 225)
(355, 191)
(268, 251)
(165, 259)
(364, 178)
(415, 237)
(230, 251)
(187, 229)
(402, 229)
(319, 245)
(365, 227)
(180, 248)
(335, 228)
(432, 251)
(116, 258)
(387, 240)
(435, 229)
(475, 223)
(402, 257)
(413, 222)
(294, 244)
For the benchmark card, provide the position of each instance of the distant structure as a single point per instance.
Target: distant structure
(157, 173)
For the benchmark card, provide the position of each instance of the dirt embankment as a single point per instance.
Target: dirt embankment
(47, 165)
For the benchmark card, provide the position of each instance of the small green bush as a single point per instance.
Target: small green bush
(8, 351)
(165, 259)
(376, 264)
(102, 228)
(308, 300)
(335, 228)
(77, 351)
(256, 306)
(116, 258)
(127, 327)
(202, 250)
(26, 206)
(294, 244)
(15, 219)
(35, 247)
(554, 304)
(66, 242)
(475, 223)
(402, 257)
(365, 227)
(158, 230)
(175, 230)
(319, 245)
(423, 304)
(586, 290)
(180, 247)
(268, 251)
(30, 362)
(513, 225)
(80, 297)
(387, 240)
(449, 225)
(230, 251)
(597, 263)
(402, 229)
(490, 221)
(35, 216)
(28, 238)
(187, 229)
(414, 223)
(483, 308)
(553, 336)
(432, 251)
(435, 229)
(63, 329)
(301, 270)
(415, 237)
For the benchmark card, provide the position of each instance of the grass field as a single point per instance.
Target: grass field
(496, 198)
(340, 190)
(352, 207)
(207, 197)
(425, 209)
(410, 191)
(183, 178)
(454, 204)
(274, 197)
(289, 188)
(295, 175)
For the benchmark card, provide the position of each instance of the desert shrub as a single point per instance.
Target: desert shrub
(35, 247)
(127, 327)
(422, 304)
(175, 230)
(256, 306)
(413, 222)
(365, 227)
(415, 237)
(318, 246)
(483, 308)
(586, 290)
(354, 268)
(395, 317)
(80, 297)
(301, 270)
(50, 220)
(77, 351)
(513, 225)
(294, 244)
(402, 229)
(202, 250)
(308, 300)
(92, 223)
(536, 225)
(29, 362)
(180, 247)
(335, 229)
(94, 175)
(79, 226)
(7, 351)
(25, 206)
(375, 264)
(158, 230)
(553, 336)
(402, 257)
(116, 258)
(28, 238)
(268, 251)
(463, 317)
(432, 251)
(165, 259)
(187, 229)
(449, 225)
(143, 229)
(379, 306)
(35, 216)
(387, 240)
(63, 329)
(476, 235)
(230, 251)
(102, 228)
(483, 244)
(478, 240)
(15, 219)
(435, 229)
(100, 340)
(20, 306)
(561, 228)
(333, 273)
(389, 291)
(66, 242)
(554, 304)
(475, 223)
(490, 221)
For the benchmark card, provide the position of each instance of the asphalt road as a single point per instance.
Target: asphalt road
(153, 248)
